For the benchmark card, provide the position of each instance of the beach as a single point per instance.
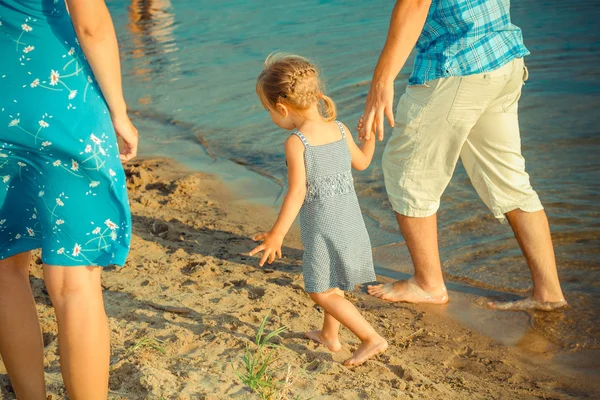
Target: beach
(186, 309)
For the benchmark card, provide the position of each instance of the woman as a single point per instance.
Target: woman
(62, 187)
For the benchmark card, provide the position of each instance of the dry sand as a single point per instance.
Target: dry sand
(190, 300)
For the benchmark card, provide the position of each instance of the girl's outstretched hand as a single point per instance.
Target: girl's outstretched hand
(271, 246)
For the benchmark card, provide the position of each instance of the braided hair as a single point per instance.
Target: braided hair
(293, 81)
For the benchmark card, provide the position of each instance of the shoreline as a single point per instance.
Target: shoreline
(190, 301)
(255, 186)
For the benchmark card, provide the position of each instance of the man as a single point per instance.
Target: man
(461, 101)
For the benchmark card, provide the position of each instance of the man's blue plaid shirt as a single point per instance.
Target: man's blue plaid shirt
(465, 37)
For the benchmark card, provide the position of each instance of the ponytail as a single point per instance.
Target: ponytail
(328, 108)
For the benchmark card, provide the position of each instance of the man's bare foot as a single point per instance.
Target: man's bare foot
(333, 345)
(408, 291)
(527, 304)
(366, 351)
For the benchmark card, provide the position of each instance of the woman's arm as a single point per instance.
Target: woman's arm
(98, 40)
(273, 240)
(361, 156)
(408, 19)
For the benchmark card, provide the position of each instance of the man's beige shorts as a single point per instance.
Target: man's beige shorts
(472, 117)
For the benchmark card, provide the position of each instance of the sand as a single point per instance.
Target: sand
(190, 301)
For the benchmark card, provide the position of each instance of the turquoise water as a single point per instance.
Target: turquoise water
(189, 72)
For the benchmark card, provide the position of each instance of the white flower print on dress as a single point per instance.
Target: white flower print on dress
(88, 149)
(74, 165)
(111, 172)
(18, 236)
(76, 250)
(95, 139)
(60, 251)
(6, 178)
(28, 49)
(72, 94)
(96, 231)
(42, 124)
(26, 28)
(30, 232)
(59, 202)
(60, 222)
(46, 143)
(94, 184)
(111, 224)
(35, 83)
(57, 163)
(54, 78)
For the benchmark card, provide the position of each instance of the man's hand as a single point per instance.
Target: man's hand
(380, 102)
(406, 24)
(271, 247)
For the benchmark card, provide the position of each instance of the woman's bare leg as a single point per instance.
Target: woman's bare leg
(83, 334)
(21, 343)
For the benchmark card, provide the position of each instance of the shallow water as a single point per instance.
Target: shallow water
(190, 69)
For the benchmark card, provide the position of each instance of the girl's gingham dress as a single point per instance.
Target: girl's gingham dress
(62, 186)
(337, 249)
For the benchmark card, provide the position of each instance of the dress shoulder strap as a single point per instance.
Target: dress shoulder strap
(301, 137)
(341, 128)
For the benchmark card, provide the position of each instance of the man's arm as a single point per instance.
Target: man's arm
(408, 19)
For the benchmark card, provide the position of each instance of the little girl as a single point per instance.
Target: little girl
(320, 153)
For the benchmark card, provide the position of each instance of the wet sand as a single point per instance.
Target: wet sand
(190, 300)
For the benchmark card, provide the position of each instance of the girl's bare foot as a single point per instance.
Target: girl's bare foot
(408, 291)
(332, 344)
(367, 350)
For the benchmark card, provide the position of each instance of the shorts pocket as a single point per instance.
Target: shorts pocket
(473, 96)
(409, 112)
(511, 103)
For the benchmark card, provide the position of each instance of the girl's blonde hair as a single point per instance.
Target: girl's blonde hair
(293, 81)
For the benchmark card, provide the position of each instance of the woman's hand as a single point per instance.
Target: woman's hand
(271, 247)
(126, 131)
(380, 101)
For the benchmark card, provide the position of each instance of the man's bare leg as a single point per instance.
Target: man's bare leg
(427, 285)
(533, 234)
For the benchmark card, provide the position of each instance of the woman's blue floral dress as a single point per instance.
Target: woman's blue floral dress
(62, 186)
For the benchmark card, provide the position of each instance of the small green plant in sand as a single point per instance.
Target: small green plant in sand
(259, 363)
(148, 343)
